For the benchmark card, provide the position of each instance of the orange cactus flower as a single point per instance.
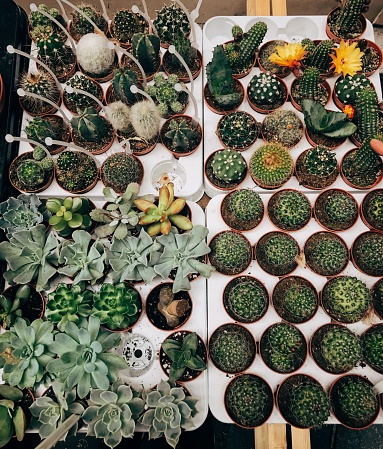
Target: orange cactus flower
(349, 111)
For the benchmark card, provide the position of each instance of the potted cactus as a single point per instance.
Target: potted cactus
(372, 57)
(371, 210)
(335, 348)
(237, 130)
(366, 253)
(289, 209)
(277, 253)
(39, 128)
(79, 25)
(248, 400)
(36, 18)
(318, 55)
(265, 64)
(372, 347)
(245, 299)
(125, 24)
(336, 210)
(75, 101)
(231, 252)
(367, 116)
(326, 253)
(181, 135)
(346, 88)
(347, 21)
(295, 299)
(283, 348)
(376, 293)
(121, 169)
(346, 299)
(225, 169)
(242, 209)
(266, 93)
(232, 348)
(171, 22)
(283, 128)
(146, 49)
(119, 89)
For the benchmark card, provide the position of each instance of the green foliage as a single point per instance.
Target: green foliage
(228, 165)
(367, 118)
(264, 89)
(320, 162)
(347, 88)
(12, 416)
(11, 307)
(39, 128)
(283, 127)
(237, 130)
(69, 214)
(123, 79)
(246, 205)
(164, 94)
(81, 101)
(171, 22)
(121, 169)
(81, 25)
(126, 23)
(247, 301)
(146, 48)
(38, 19)
(181, 134)
(89, 125)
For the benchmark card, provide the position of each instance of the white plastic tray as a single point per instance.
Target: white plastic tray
(217, 315)
(217, 30)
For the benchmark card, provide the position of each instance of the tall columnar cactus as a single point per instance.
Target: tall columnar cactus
(171, 22)
(309, 84)
(252, 40)
(146, 48)
(348, 88)
(320, 57)
(228, 165)
(367, 109)
(123, 79)
(90, 126)
(350, 14)
(264, 88)
(185, 49)
(309, 46)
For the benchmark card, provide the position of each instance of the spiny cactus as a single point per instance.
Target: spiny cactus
(39, 128)
(372, 209)
(228, 165)
(67, 160)
(237, 130)
(123, 79)
(309, 46)
(81, 26)
(126, 23)
(372, 347)
(40, 83)
(182, 135)
(349, 17)
(37, 19)
(163, 92)
(367, 253)
(76, 101)
(252, 41)
(50, 44)
(89, 125)
(94, 55)
(33, 173)
(145, 118)
(348, 88)
(367, 109)
(309, 85)
(320, 56)
(271, 166)
(183, 46)
(319, 162)
(282, 127)
(246, 205)
(121, 169)
(171, 22)
(146, 48)
(340, 207)
(289, 210)
(75, 171)
(118, 115)
(264, 89)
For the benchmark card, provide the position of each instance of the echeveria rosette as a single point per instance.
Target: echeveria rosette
(82, 260)
(31, 254)
(181, 252)
(83, 360)
(133, 258)
(111, 414)
(168, 411)
(25, 353)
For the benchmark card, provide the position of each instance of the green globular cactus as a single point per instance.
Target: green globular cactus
(367, 117)
(80, 101)
(181, 133)
(75, 171)
(276, 251)
(246, 205)
(67, 160)
(171, 22)
(271, 165)
(237, 32)
(309, 84)
(40, 83)
(146, 48)
(89, 125)
(123, 79)
(169, 100)
(37, 19)
(340, 207)
(126, 23)
(81, 26)
(252, 40)
(367, 253)
(320, 56)
(320, 162)
(50, 44)
(228, 165)
(372, 347)
(289, 210)
(349, 16)
(35, 172)
(348, 88)
(300, 302)
(237, 130)
(121, 169)
(264, 88)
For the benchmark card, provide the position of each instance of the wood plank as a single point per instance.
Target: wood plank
(278, 8)
(261, 435)
(300, 438)
(258, 7)
(277, 436)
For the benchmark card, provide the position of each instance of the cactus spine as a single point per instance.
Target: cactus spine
(320, 57)
(91, 126)
(366, 105)
(264, 88)
(171, 22)
(251, 41)
(228, 165)
(146, 48)
(125, 24)
(309, 84)
(349, 15)
(348, 88)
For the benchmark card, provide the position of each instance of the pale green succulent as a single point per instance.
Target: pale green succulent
(83, 358)
(25, 352)
(111, 414)
(181, 252)
(82, 260)
(31, 254)
(168, 410)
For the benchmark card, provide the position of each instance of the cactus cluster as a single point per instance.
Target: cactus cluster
(126, 23)
(89, 125)
(265, 89)
(282, 127)
(246, 205)
(37, 19)
(367, 252)
(146, 48)
(309, 47)
(171, 22)
(347, 23)
(81, 26)
(228, 166)
(237, 130)
(75, 101)
(182, 135)
(35, 171)
(41, 83)
(39, 128)
(367, 109)
(346, 299)
(372, 347)
(289, 210)
(75, 171)
(271, 166)
(347, 88)
(164, 94)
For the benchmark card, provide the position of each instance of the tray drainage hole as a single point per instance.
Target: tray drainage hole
(170, 171)
(139, 353)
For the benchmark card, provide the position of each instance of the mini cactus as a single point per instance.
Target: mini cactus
(372, 209)
(169, 100)
(347, 23)
(39, 128)
(309, 46)
(340, 207)
(145, 118)
(40, 83)
(367, 253)
(320, 56)
(81, 26)
(94, 55)
(50, 44)
(271, 165)
(228, 165)
(121, 169)
(372, 347)
(67, 160)
(37, 19)
(183, 46)
(238, 130)
(89, 125)
(79, 101)
(182, 135)
(75, 171)
(237, 32)
(146, 48)
(118, 115)
(289, 210)
(310, 87)
(171, 22)
(252, 40)
(264, 89)
(126, 23)
(320, 162)
(282, 127)
(367, 117)
(347, 88)
(123, 79)
(34, 172)
(246, 205)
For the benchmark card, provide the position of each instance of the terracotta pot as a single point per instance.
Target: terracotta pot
(117, 189)
(179, 118)
(13, 175)
(324, 84)
(367, 219)
(212, 105)
(125, 61)
(331, 35)
(261, 109)
(218, 184)
(183, 78)
(283, 71)
(66, 136)
(96, 106)
(354, 186)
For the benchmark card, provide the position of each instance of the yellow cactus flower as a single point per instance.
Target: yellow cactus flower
(347, 59)
(289, 55)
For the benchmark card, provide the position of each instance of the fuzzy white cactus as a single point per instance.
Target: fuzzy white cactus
(94, 54)
(118, 114)
(145, 118)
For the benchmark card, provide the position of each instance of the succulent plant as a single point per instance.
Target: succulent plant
(68, 303)
(94, 55)
(49, 413)
(12, 416)
(32, 172)
(271, 165)
(118, 115)
(82, 258)
(282, 127)
(25, 352)
(181, 252)
(83, 358)
(347, 24)
(50, 44)
(168, 410)
(89, 125)
(246, 205)
(145, 118)
(123, 79)
(146, 48)
(347, 88)
(111, 414)
(264, 89)
(228, 165)
(367, 252)
(309, 46)
(69, 214)
(11, 307)
(21, 213)
(169, 100)
(31, 255)
(38, 19)
(309, 87)
(183, 354)
(289, 209)
(237, 130)
(346, 299)
(121, 169)
(81, 26)
(367, 118)
(182, 135)
(80, 101)
(39, 128)
(161, 217)
(117, 306)
(126, 23)
(174, 310)
(171, 22)
(68, 173)
(320, 55)
(41, 83)
(372, 347)
(183, 46)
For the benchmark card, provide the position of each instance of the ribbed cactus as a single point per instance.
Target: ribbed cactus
(39, 128)
(348, 88)
(264, 88)
(123, 79)
(251, 41)
(90, 126)
(320, 56)
(340, 207)
(309, 46)
(50, 44)
(228, 165)
(80, 101)
(367, 109)
(121, 169)
(309, 84)
(237, 130)
(171, 22)
(81, 26)
(146, 48)
(183, 46)
(289, 210)
(230, 251)
(126, 23)
(181, 133)
(271, 166)
(40, 83)
(349, 15)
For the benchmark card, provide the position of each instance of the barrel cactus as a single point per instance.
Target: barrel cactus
(228, 165)
(89, 125)
(171, 22)
(347, 88)
(146, 48)
(264, 89)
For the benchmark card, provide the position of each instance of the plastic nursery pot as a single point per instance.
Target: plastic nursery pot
(336, 210)
(139, 146)
(248, 400)
(352, 36)
(285, 249)
(338, 103)
(361, 181)
(195, 66)
(315, 139)
(71, 105)
(340, 350)
(216, 108)
(295, 299)
(243, 130)
(27, 104)
(103, 77)
(353, 401)
(232, 348)
(326, 253)
(230, 253)
(283, 356)
(265, 108)
(367, 254)
(371, 340)
(313, 181)
(285, 401)
(245, 299)
(371, 211)
(33, 308)
(176, 307)
(95, 147)
(276, 125)
(217, 183)
(18, 184)
(324, 85)
(165, 362)
(65, 134)
(374, 57)
(265, 65)
(127, 62)
(120, 163)
(376, 293)
(194, 142)
(246, 70)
